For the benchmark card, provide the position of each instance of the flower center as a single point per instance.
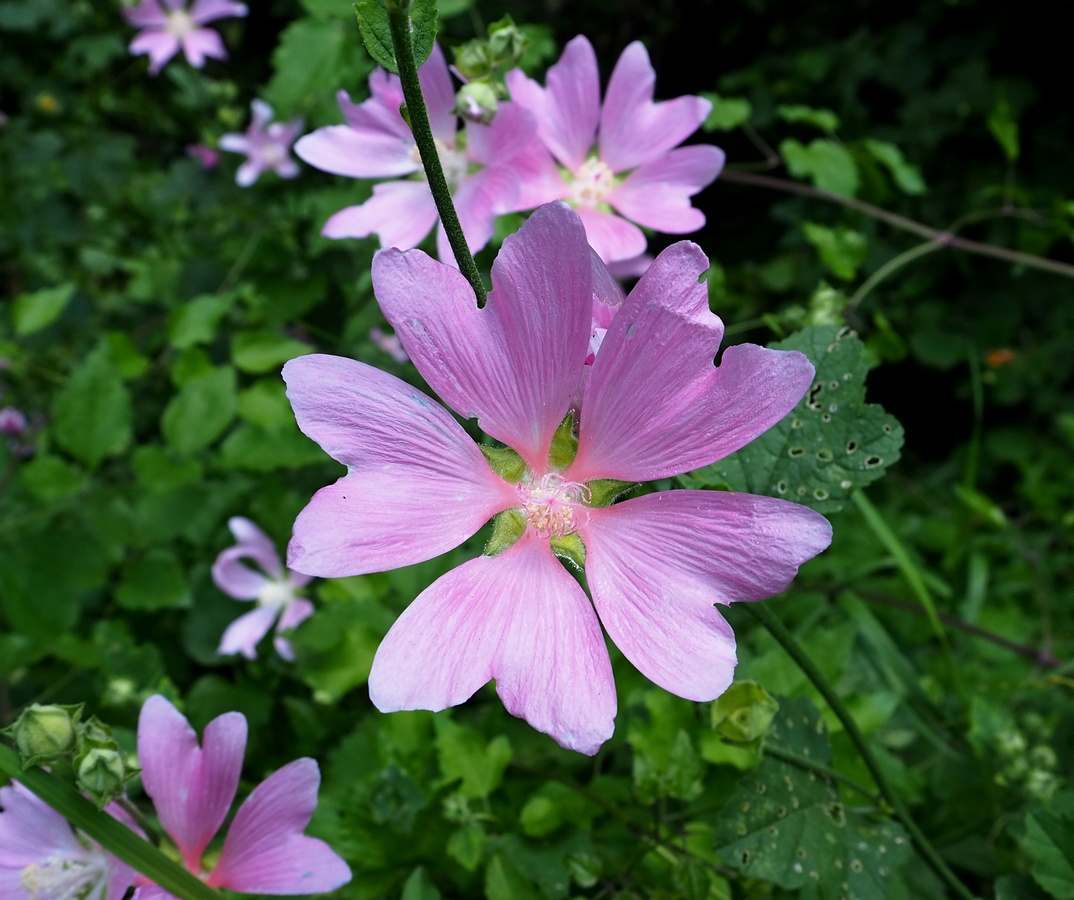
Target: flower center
(61, 878)
(179, 23)
(452, 161)
(591, 182)
(551, 505)
(275, 594)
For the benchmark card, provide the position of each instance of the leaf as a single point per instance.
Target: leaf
(310, 60)
(419, 886)
(727, 113)
(263, 351)
(841, 249)
(786, 824)
(92, 414)
(503, 881)
(824, 119)
(831, 444)
(154, 581)
(906, 175)
(377, 32)
(202, 409)
(32, 312)
(466, 757)
(1048, 839)
(197, 320)
(50, 478)
(1004, 129)
(826, 163)
(423, 18)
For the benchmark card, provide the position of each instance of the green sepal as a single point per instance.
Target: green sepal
(507, 528)
(505, 463)
(44, 734)
(564, 444)
(570, 548)
(605, 491)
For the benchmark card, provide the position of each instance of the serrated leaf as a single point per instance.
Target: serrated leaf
(200, 412)
(906, 175)
(841, 249)
(727, 113)
(465, 756)
(824, 119)
(92, 414)
(826, 163)
(376, 32)
(32, 312)
(1048, 839)
(786, 824)
(423, 18)
(831, 444)
(308, 61)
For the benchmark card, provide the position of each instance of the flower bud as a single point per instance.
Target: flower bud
(102, 774)
(477, 102)
(507, 43)
(45, 733)
(744, 713)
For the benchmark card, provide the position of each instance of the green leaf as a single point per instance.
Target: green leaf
(665, 761)
(265, 404)
(1048, 839)
(197, 320)
(466, 757)
(377, 32)
(1004, 129)
(423, 18)
(831, 444)
(154, 581)
(50, 478)
(419, 886)
(503, 881)
(32, 312)
(202, 409)
(92, 414)
(159, 470)
(786, 824)
(309, 60)
(826, 163)
(824, 119)
(841, 249)
(906, 175)
(259, 450)
(727, 113)
(262, 351)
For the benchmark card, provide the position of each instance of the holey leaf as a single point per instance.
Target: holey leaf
(786, 824)
(831, 443)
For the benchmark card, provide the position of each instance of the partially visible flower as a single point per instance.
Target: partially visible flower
(274, 588)
(377, 143)
(207, 156)
(12, 421)
(267, 145)
(616, 164)
(167, 27)
(43, 858)
(390, 344)
(192, 788)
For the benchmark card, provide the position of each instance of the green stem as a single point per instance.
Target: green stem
(776, 628)
(110, 833)
(430, 158)
(810, 765)
(892, 265)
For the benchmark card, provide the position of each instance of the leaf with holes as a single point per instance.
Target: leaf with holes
(832, 443)
(786, 824)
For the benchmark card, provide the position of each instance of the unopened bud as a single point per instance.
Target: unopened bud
(744, 713)
(472, 59)
(44, 734)
(507, 43)
(477, 102)
(102, 774)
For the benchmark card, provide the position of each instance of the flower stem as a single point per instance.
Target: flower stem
(430, 158)
(110, 833)
(777, 629)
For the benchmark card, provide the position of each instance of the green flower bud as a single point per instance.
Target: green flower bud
(507, 43)
(102, 774)
(744, 713)
(472, 59)
(477, 102)
(44, 734)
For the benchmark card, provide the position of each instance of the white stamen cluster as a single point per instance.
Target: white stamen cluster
(179, 23)
(591, 183)
(551, 504)
(63, 878)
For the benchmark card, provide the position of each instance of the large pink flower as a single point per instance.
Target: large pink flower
(375, 142)
(167, 28)
(619, 163)
(652, 405)
(192, 787)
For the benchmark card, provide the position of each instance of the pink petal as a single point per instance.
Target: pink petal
(518, 617)
(265, 851)
(479, 198)
(400, 213)
(516, 363)
(234, 143)
(31, 831)
(655, 405)
(569, 125)
(417, 484)
(509, 135)
(191, 787)
(202, 43)
(145, 14)
(235, 578)
(242, 635)
(539, 178)
(209, 10)
(657, 195)
(294, 613)
(160, 45)
(613, 237)
(657, 564)
(439, 95)
(256, 545)
(633, 129)
(380, 113)
(248, 173)
(357, 153)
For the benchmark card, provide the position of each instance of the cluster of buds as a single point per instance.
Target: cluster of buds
(481, 64)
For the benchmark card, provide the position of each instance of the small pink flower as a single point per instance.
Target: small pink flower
(274, 588)
(619, 163)
(12, 421)
(207, 156)
(192, 788)
(652, 405)
(390, 344)
(167, 27)
(267, 146)
(377, 143)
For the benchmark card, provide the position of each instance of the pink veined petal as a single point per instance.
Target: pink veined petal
(572, 108)
(31, 830)
(479, 198)
(201, 44)
(357, 153)
(655, 405)
(242, 635)
(612, 236)
(518, 617)
(509, 135)
(439, 95)
(657, 195)
(191, 787)
(204, 11)
(146, 14)
(380, 113)
(539, 178)
(400, 213)
(160, 45)
(257, 545)
(265, 851)
(633, 129)
(657, 564)
(417, 483)
(516, 363)
(235, 578)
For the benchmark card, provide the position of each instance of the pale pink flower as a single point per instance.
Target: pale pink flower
(390, 344)
(616, 164)
(43, 858)
(207, 156)
(12, 420)
(168, 25)
(274, 588)
(267, 145)
(653, 405)
(192, 788)
(375, 142)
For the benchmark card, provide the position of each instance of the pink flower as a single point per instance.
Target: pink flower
(274, 588)
(377, 143)
(616, 162)
(12, 420)
(192, 788)
(207, 156)
(42, 858)
(267, 146)
(167, 28)
(653, 405)
(390, 344)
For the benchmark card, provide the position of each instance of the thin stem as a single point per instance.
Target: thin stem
(430, 158)
(110, 833)
(944, 238)
(892, 265)
(811, 765)
(776, 628)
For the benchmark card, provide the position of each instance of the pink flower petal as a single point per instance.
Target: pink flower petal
(479, 198)
(568, 126)
(439, 95)
(516, 363)
(265, 851)
(242, 635)
(357, 153)
(204, 11)
(234, 143)
(509, 135)
(294, 613)
(31, 831)
(655, 405)
(400, 213)
(146, 14)
(657, 564)
(518, 617)
(202, 43)
(235, 578)
(257, 545)
(633, 129)
(613, 237)
(657, 195)
(539, 178)
(417, 485)
(160, 45)
(380, 113)
(191, 787)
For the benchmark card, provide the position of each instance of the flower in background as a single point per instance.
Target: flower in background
(616, 164)
(390, 344)
(192, 788)
(12, 421)
(274, 588)
(207, 156)
(167, 27)
(267, 145)
(653, 406)
(43, 858)
(376, 142)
